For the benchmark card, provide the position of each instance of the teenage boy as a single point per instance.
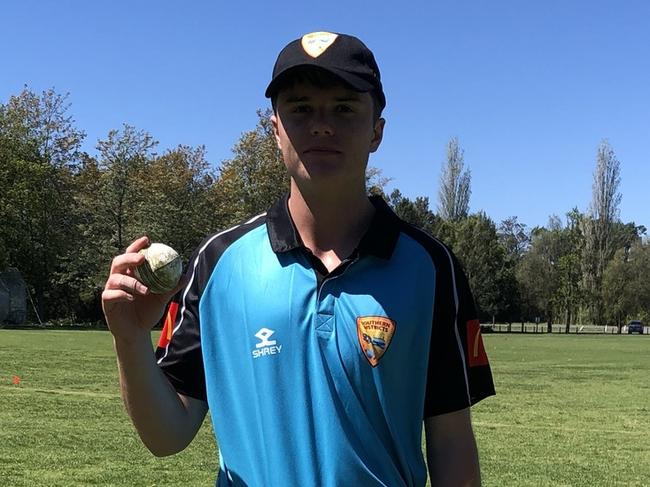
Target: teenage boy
(322, 334)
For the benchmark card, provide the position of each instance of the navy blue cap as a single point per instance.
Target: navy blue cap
(342, 55)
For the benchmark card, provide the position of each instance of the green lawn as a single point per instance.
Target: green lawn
(570, 410)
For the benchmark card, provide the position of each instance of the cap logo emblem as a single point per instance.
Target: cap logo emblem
(375, 334)
(317, 43)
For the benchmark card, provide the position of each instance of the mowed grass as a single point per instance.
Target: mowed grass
(570, 411)
(65, 424)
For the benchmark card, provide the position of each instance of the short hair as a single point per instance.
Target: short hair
(321, 79)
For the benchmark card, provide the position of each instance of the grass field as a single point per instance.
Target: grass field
(570, 411)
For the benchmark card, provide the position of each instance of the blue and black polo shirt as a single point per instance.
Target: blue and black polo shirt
(324, 378)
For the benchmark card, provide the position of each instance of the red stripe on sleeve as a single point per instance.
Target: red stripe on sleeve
(476, 351)
(168, 327)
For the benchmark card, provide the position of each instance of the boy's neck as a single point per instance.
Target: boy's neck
(330, 224)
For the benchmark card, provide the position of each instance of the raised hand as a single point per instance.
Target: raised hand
(128, 305)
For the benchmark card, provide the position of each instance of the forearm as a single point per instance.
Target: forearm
(162, 418)
(454, 467)
(452, 454)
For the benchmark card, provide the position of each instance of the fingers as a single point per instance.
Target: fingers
(126, 283)
(121, 285)
(139, 244)
(130, 258)
(122, 263)
(111, 296)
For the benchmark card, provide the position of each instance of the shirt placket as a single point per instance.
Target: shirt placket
(326, 300)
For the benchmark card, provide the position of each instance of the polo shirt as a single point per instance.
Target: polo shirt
(317, 378)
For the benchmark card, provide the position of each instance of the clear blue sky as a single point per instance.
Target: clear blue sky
(530, 88)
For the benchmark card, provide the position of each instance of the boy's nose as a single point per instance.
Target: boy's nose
(320, 126)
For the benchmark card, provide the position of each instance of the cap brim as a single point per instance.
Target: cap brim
(355, 82)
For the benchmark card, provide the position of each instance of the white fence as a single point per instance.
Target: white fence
(555, 328)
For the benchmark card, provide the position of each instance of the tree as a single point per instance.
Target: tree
(250, 182)
(537, 275)
(514, 236)
(376, 182)
(132, 192)
(174, 205)
(476, 244)
(39, 151)
(549, 272)
(123, 157)
(83, 269)
(454, 191)
(599, 227)
(569, 295)
(626, 287)
(109, 212)
(417, 212)
(414, 212)
(42, 121)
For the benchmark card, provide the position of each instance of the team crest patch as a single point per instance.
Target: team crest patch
(317, 43)
(375, 334)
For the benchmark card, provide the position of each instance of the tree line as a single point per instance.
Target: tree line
(65, 213)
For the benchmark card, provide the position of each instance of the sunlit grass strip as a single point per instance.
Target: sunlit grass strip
(570, 410)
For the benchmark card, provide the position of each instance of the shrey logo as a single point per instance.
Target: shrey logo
(265, 346)
(264, 334)
(317, 43)
(375, 334)
(477, 355)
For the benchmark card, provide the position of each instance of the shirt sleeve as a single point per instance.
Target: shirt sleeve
(458, 374)
(179, 352)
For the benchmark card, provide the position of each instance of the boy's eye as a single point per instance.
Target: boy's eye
(301, 109)
(306, 108)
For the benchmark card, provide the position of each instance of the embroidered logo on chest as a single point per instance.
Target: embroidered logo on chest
(375, 334)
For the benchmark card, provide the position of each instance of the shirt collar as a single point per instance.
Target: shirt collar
(380, 238)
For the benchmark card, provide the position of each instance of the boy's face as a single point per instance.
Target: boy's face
(326, 134)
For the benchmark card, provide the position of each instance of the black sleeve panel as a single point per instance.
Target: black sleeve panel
(179, 351)
(458, 374)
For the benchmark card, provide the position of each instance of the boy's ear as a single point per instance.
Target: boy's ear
(276, 129)
(377, 134)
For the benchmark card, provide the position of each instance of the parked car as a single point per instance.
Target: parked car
(635, 326)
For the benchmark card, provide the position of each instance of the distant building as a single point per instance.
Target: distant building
(13, 297)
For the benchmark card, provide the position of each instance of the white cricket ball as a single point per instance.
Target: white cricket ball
(161, 270)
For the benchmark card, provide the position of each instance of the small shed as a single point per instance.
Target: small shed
(13, 297)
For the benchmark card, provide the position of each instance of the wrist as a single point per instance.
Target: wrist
(136, 339)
